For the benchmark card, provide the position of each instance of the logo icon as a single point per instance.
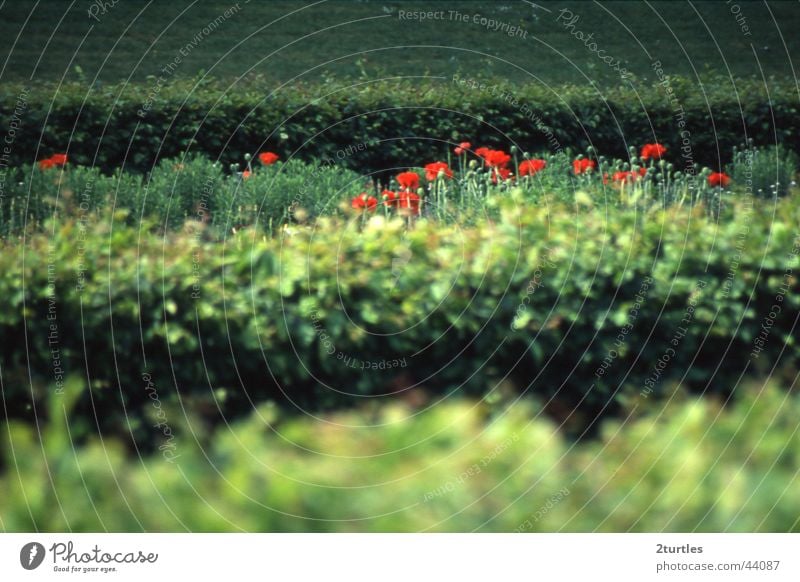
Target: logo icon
(31, 555)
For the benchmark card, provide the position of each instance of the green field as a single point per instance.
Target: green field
(286, 41)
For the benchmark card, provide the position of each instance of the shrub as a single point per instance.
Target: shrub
(383, 125)
(455, 466)
(563, 302)
(764, 172)
(195, 189)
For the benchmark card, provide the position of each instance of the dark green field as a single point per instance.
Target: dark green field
(286, 40)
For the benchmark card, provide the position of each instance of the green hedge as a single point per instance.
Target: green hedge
(689, 465)
(560, 301)
(387, 124)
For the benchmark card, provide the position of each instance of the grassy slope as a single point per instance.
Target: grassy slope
(678, 34)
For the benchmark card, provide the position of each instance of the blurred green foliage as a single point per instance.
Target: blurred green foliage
(559, 300)
(685, 464)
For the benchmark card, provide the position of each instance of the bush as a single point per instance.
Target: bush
(383, 125)
(456, 466)
(560, 301)
(174, 192)
(764, 172)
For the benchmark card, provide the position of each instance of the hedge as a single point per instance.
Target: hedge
(564, 302)
(690, 465)
(379, 125)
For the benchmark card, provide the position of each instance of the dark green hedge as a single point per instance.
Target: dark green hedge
(378, 125)
(326, 316)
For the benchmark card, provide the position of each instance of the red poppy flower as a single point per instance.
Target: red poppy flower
(432, 171)
(503, 173)
(627, 176)
(719, 179)
(462, 148)
(268, 158)
(409, 200)
(495, 158)
(653, 150)
(53, 161)
(390, 198)
(583, 165)
(246, 174)
(408, 180)
(365, 202)
(481, 152)
(531, 167)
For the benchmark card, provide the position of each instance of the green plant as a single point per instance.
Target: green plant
(683, 464)
(540, 297)
(764, 172)
(385, 124)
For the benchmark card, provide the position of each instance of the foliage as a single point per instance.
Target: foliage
(561, 301)
(381, 125)
(764, 172)
(455, 466)
(283, 193)
(174, 193)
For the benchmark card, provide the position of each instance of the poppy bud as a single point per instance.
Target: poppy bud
(247, 157)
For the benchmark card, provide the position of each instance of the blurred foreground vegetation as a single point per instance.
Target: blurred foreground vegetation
(681, 464)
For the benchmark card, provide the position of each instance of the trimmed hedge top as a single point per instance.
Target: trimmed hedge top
(378, 125)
